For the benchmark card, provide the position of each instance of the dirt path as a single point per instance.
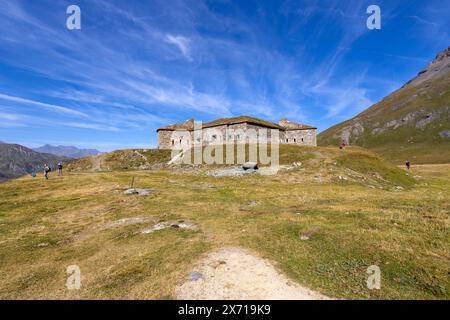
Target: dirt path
(234, 273)
(96, 162)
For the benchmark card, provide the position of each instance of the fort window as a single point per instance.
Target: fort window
(173, 142)
(295, 140)
(214, 137)
(302, 139)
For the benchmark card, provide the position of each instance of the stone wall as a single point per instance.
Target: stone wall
(236, 133)
(306, 137)
(174, 139)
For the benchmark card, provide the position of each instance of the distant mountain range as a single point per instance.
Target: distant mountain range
(67, 151)
(17, 160)
(411, 124)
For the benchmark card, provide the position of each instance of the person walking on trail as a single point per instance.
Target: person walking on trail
(408, 165)
(46, 171)
(59, 169)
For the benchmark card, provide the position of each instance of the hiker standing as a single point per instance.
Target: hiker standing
(408, 165)
(60, 167)
(46, 171)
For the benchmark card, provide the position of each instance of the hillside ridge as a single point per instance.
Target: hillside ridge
(412, 123)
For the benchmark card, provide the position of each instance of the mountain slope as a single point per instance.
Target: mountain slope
(412, 123)
(17, 160)
(67, 151)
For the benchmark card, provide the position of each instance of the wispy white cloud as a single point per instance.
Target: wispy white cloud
(9, 116)
(182, 43)
(91, 126)
(47, 106)
(127, 69)
(424, 21)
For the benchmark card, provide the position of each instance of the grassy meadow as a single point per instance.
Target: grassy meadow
(399, 222)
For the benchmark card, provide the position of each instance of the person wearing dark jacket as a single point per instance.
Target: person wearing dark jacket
(60, 167)
(46, 171)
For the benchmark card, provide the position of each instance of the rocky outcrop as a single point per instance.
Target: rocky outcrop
(438, 67)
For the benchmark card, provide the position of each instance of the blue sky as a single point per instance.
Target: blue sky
(138, 65)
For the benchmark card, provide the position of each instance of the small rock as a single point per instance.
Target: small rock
(444, 134)
(63, 242)
(232, 172)
(307, 235)
(250, 165)
(141, 192)
(169, 224)
(131, 191)
(195, 275)
(43, 244)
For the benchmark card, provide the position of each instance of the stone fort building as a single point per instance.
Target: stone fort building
(232, 130)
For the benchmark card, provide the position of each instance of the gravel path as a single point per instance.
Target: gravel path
(234, 273)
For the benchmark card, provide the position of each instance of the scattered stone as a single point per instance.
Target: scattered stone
(426, 119)
(444, 134)
(63, 242)
(297, 164)
(318, 179)
(232, 172)
(195, 275)
(217, 264)
(169, 224)
(307, 235)
(128, 221)
(141, 192)
(43, 244)
(398, 188)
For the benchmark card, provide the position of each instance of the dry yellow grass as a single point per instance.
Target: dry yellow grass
(46, 226)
